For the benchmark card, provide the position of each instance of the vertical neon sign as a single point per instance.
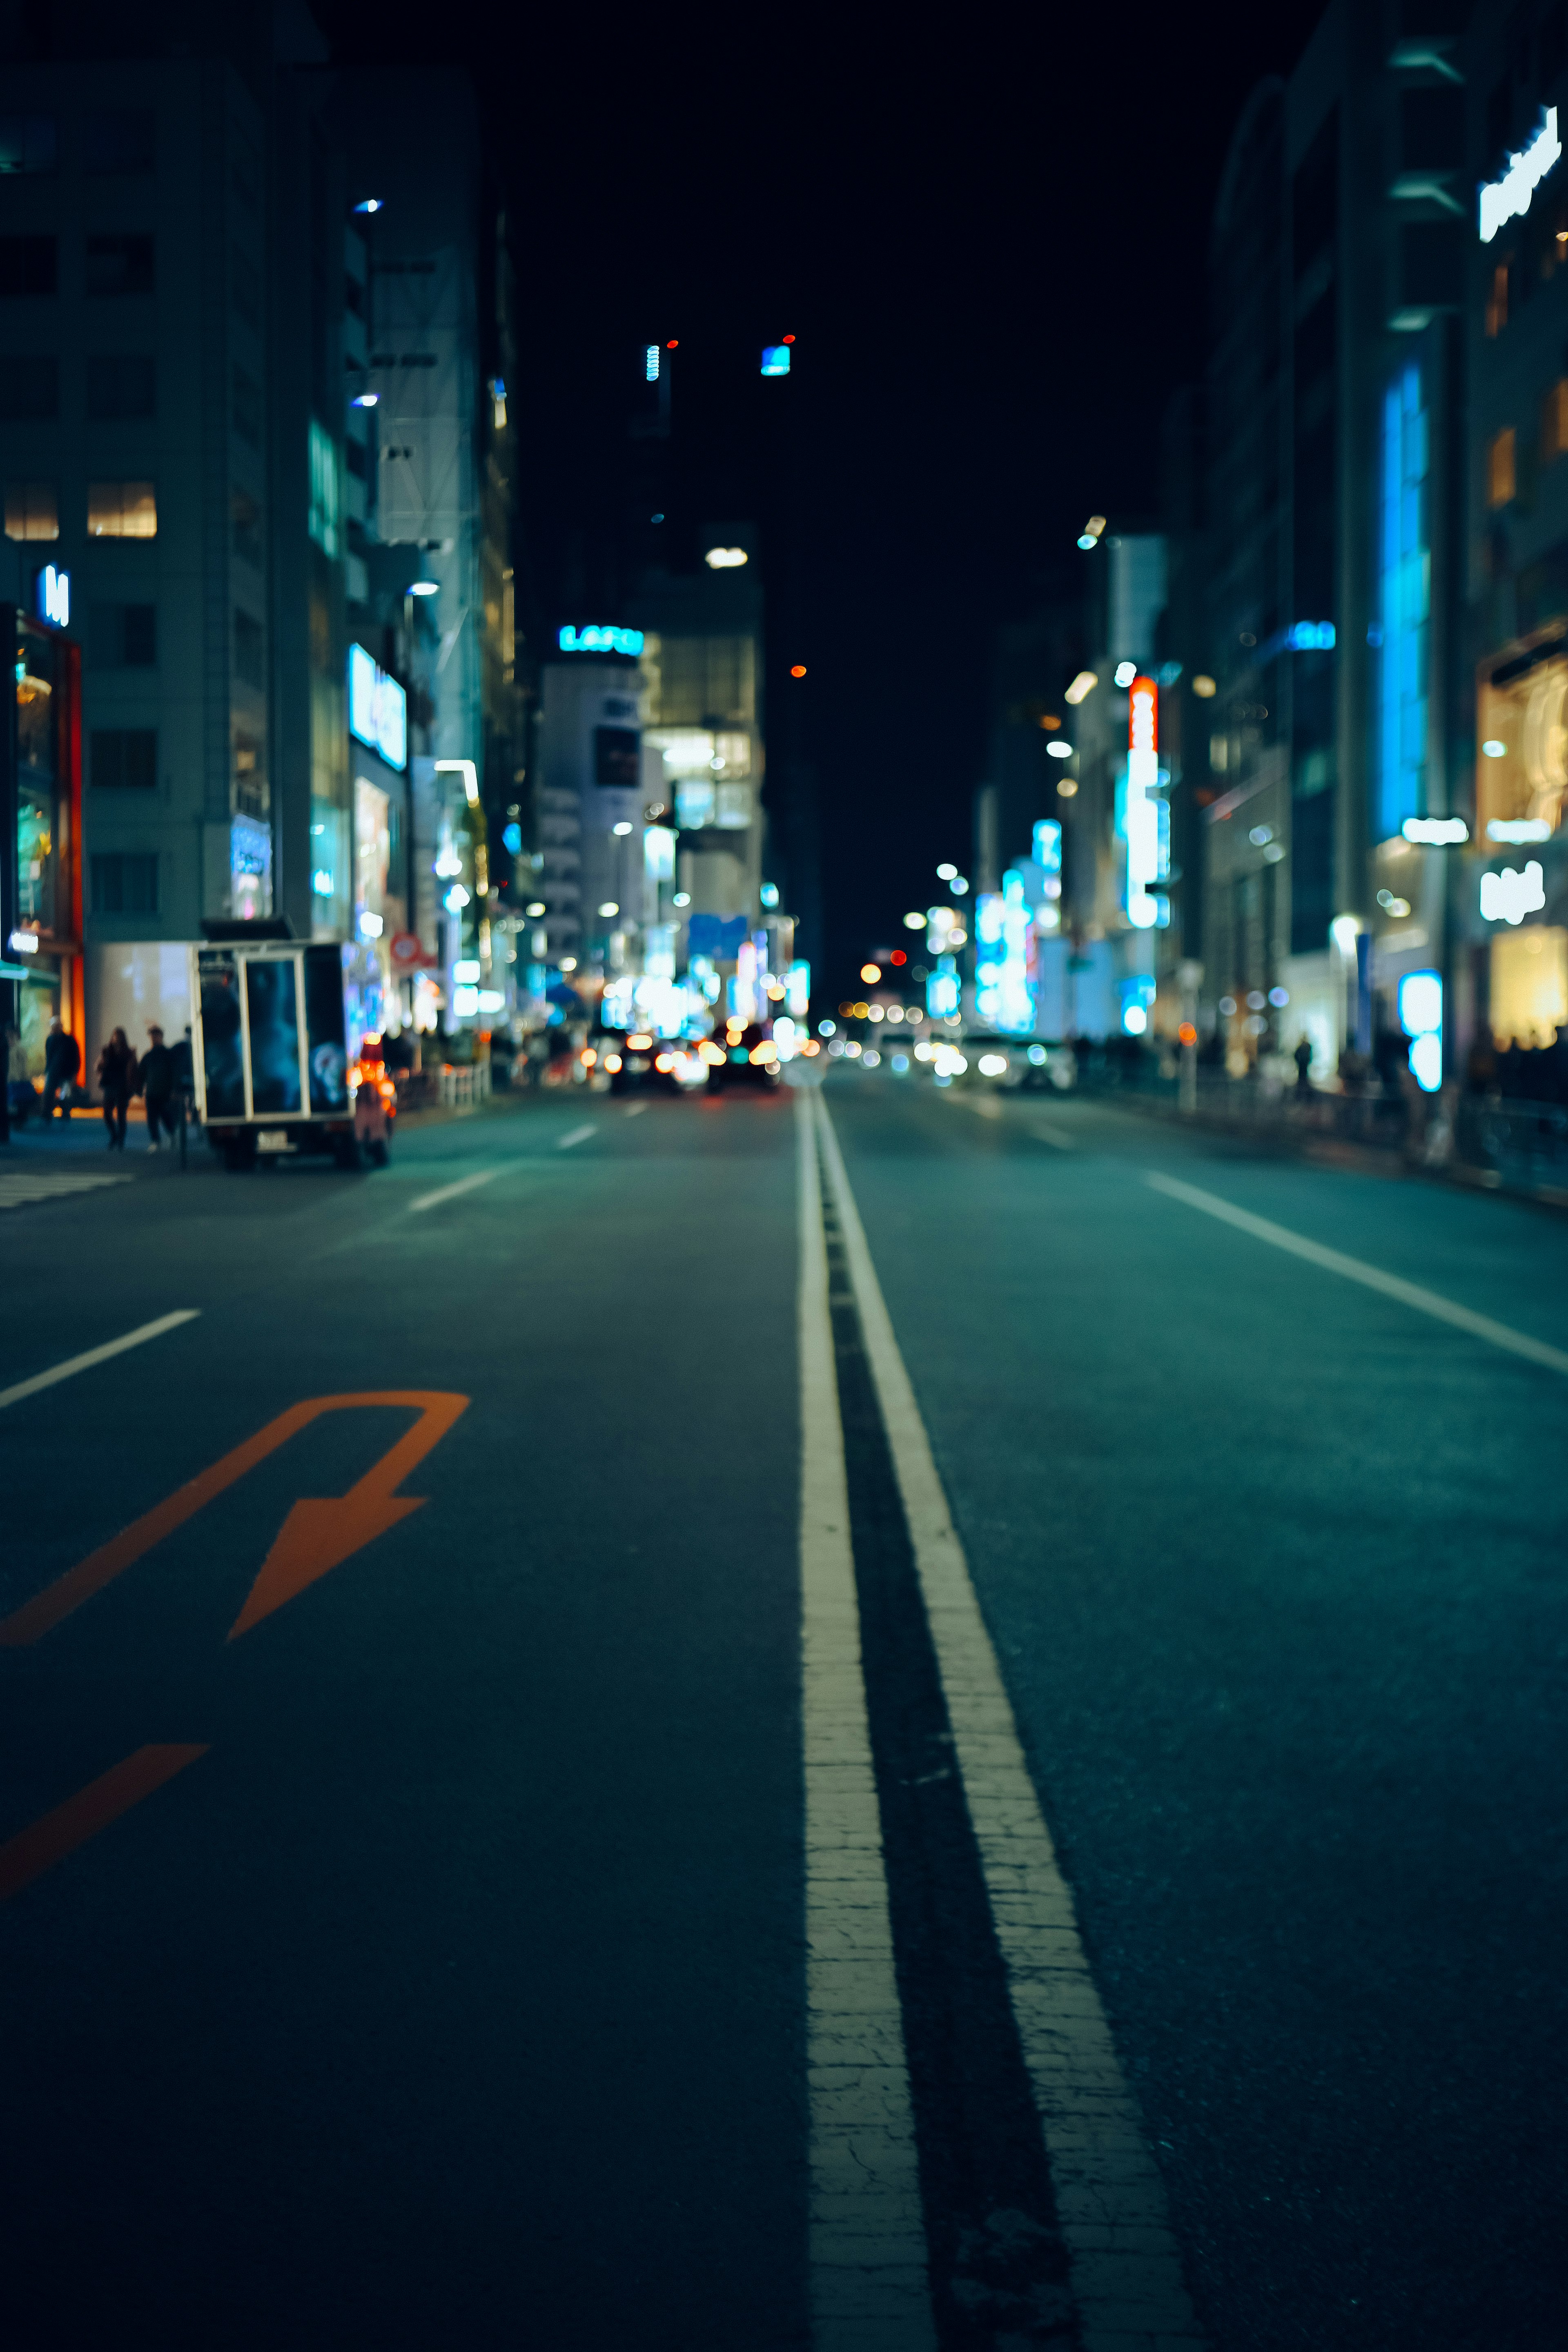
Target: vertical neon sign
(1143, 809)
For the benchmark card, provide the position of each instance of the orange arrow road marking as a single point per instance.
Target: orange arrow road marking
(313, 1537)
(49, 1840)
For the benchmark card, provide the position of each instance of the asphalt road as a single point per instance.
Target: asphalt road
(441, 1977)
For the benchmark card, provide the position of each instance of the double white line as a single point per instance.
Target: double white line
(867, 2237)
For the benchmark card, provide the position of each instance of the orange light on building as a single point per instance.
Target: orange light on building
(897, 956)
(1187, 1033)
(673, 344)
(798, 669)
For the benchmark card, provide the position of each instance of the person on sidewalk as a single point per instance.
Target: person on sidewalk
(156, 1083)
(1302, 1057)
(116, 1081)
(62, 1063)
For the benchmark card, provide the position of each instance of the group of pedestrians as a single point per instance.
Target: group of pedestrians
(157, 1076)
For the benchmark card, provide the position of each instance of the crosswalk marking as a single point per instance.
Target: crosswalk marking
(17, 1191)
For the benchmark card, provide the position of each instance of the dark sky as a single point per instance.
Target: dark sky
(987, 229)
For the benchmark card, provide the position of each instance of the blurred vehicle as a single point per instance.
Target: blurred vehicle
(281, 1063)
(1010, 1065)
(744, 1056)
(641, 1063)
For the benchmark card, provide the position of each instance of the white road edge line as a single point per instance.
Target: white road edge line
(868, 2282)
(97, 1355)
(450, 1192)
(578, 1135)
(1048, 1135)
(1125, 2271)
(1372, 1277)
(632, 1109)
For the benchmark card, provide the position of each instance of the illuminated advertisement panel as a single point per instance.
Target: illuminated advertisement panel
(378, 708)
(1143, 809)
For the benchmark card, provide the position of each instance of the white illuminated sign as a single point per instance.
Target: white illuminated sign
(1516, 831)
(1508, 897)
(1502, 200)
(600, 638)
(1435, 832)
(378, 708)
(53, 590)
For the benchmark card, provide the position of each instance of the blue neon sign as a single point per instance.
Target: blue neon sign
(601, 637)
(775, 359)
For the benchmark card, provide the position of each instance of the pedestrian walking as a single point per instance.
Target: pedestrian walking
(62, 1065)
(155, 1082)
(116, 1079)
(1302, 1057)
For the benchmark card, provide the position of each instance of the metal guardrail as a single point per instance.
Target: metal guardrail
(1254, 1105)
(1525, 1144)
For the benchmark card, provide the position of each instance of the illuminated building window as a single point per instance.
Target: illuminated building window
(1497, 300)
(1554, 422)
(1501, 468)
(32, 511)
(122, 510)
(323, 518)
(1405, 600)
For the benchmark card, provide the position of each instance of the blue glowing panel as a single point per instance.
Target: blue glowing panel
(775, 359)
(1405, 585)
(601, 637)
(378, 708)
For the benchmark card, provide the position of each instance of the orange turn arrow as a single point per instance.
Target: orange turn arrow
(315, 1537)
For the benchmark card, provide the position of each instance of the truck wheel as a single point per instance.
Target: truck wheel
(380, 1154)
(240, 1158)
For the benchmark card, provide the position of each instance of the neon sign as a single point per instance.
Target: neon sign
(1143, 809)
(52, 591)
(1502, 200)
(1508, 897)
(601, 637)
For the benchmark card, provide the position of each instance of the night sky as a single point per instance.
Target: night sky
(987, 231)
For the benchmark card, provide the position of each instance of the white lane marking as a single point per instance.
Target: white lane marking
(986, 1104)
(450, 1192)
(1126, 2273)
(1355, 1270)
(578, 1135)
(84, 1363)
(865, 2233)
(1053, 1135)
(17, 1189)
(633, 1109)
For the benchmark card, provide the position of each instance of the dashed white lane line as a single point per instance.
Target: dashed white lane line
(1110, 2199)
(450, 1192)
(988, 1107)
(633, 1109)
(868, 2283)
(578, 1135)
(85, 1362)
(1054, 1137)
(1372, 1277)
(17, 1189)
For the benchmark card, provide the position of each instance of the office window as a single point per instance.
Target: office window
(322, 519)
(1554, 422)
(1497, 300)
(122, 510)
(120, 139)
(1502, 476)
(29, 389)
(124, 882)
(27, 143)
(247, 407)
(248, 654)
(245, 168)
(119, 265)
(249, 794)
(122, 636)
(28, 265)
(1405, 603)
(32, 511)
(124, 759)
(245, 516)
(354, 458)
(121, 384)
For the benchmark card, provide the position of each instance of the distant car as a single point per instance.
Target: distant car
(1016, 1064)
(746, 1056)
(641, 1063)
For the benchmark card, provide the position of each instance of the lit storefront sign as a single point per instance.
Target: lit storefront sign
(600, 638)
(52, 596)
(378, 708)
(1421, 1018)
(1508, 897)
(1509, 197)
(1003, 998)
(1142, 808)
